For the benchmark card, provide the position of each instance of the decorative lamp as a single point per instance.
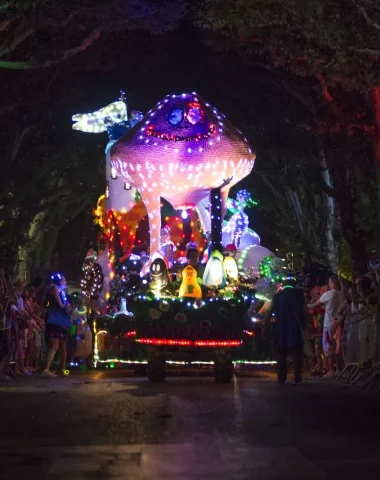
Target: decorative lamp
(214, 275)
(189, 286)
(230, 268)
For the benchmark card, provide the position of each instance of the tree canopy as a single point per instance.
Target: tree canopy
(300, 78)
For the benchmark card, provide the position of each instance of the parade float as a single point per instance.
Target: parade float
(180, 278)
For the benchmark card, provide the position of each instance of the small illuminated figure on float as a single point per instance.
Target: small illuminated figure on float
(167, 247)
(239, 222)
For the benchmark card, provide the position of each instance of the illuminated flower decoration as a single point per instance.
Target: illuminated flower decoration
(180, 150)
(154, 314)
(180, 318)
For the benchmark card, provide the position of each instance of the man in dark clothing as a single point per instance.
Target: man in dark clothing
(289, 309)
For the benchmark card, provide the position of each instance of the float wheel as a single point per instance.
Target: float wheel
(224, 370)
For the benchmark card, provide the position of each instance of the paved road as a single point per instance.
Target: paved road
(104, 425)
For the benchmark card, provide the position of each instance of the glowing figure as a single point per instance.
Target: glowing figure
(123, 309)
(97, 122)
(214, 275)
(230, 268)
(189, 286)
(180, 150)
(159, 274)
(167, 247)
(239, 222)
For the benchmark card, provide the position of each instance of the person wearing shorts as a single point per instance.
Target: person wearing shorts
(331, 300)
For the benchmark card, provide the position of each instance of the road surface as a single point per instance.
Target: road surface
(101, 425)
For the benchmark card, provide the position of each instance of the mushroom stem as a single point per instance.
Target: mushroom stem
(152, 202)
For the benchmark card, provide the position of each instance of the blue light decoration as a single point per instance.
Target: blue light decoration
(239, 222)
(216, 219)
(175, 116)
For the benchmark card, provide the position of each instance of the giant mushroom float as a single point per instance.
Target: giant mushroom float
(180, 150)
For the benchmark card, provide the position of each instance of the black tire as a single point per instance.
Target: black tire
(224, 371)
(156, 370)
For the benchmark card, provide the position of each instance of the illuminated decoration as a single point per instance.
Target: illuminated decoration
(92, 281)
(272, 269)
(217, 254)
(172, 137)
(189, 343)
(100, 212)
(189, 286)
(186, 153)
(91, 255)
(249, 258)
(194, 113)
(97, 122)
(167, 247)
(175, 116)
(112, 119)
(180, 363)
(216, 219)
(214, 275)
(104, 261)
(159, 275)
(230, 268)
(239, 222)
(203, 212)
(120, 197)
(123, 309)
(249, 362)
(242, 195)
(181, 168)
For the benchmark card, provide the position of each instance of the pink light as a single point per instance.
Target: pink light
(189, 343)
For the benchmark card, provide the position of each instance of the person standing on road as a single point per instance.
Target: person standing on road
(58, 323)
(289, 310)
(331, 300)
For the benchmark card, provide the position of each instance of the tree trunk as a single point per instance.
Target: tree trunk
(329, 244)
(350, 230)
(376, 115)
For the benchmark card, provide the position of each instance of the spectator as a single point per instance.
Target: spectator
(288, 306)
(4, 328)
(58, 324)
(366, 314)
(331, 300)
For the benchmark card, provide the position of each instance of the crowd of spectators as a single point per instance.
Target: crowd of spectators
(343, 326)
(28, 345)
(345, 323)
